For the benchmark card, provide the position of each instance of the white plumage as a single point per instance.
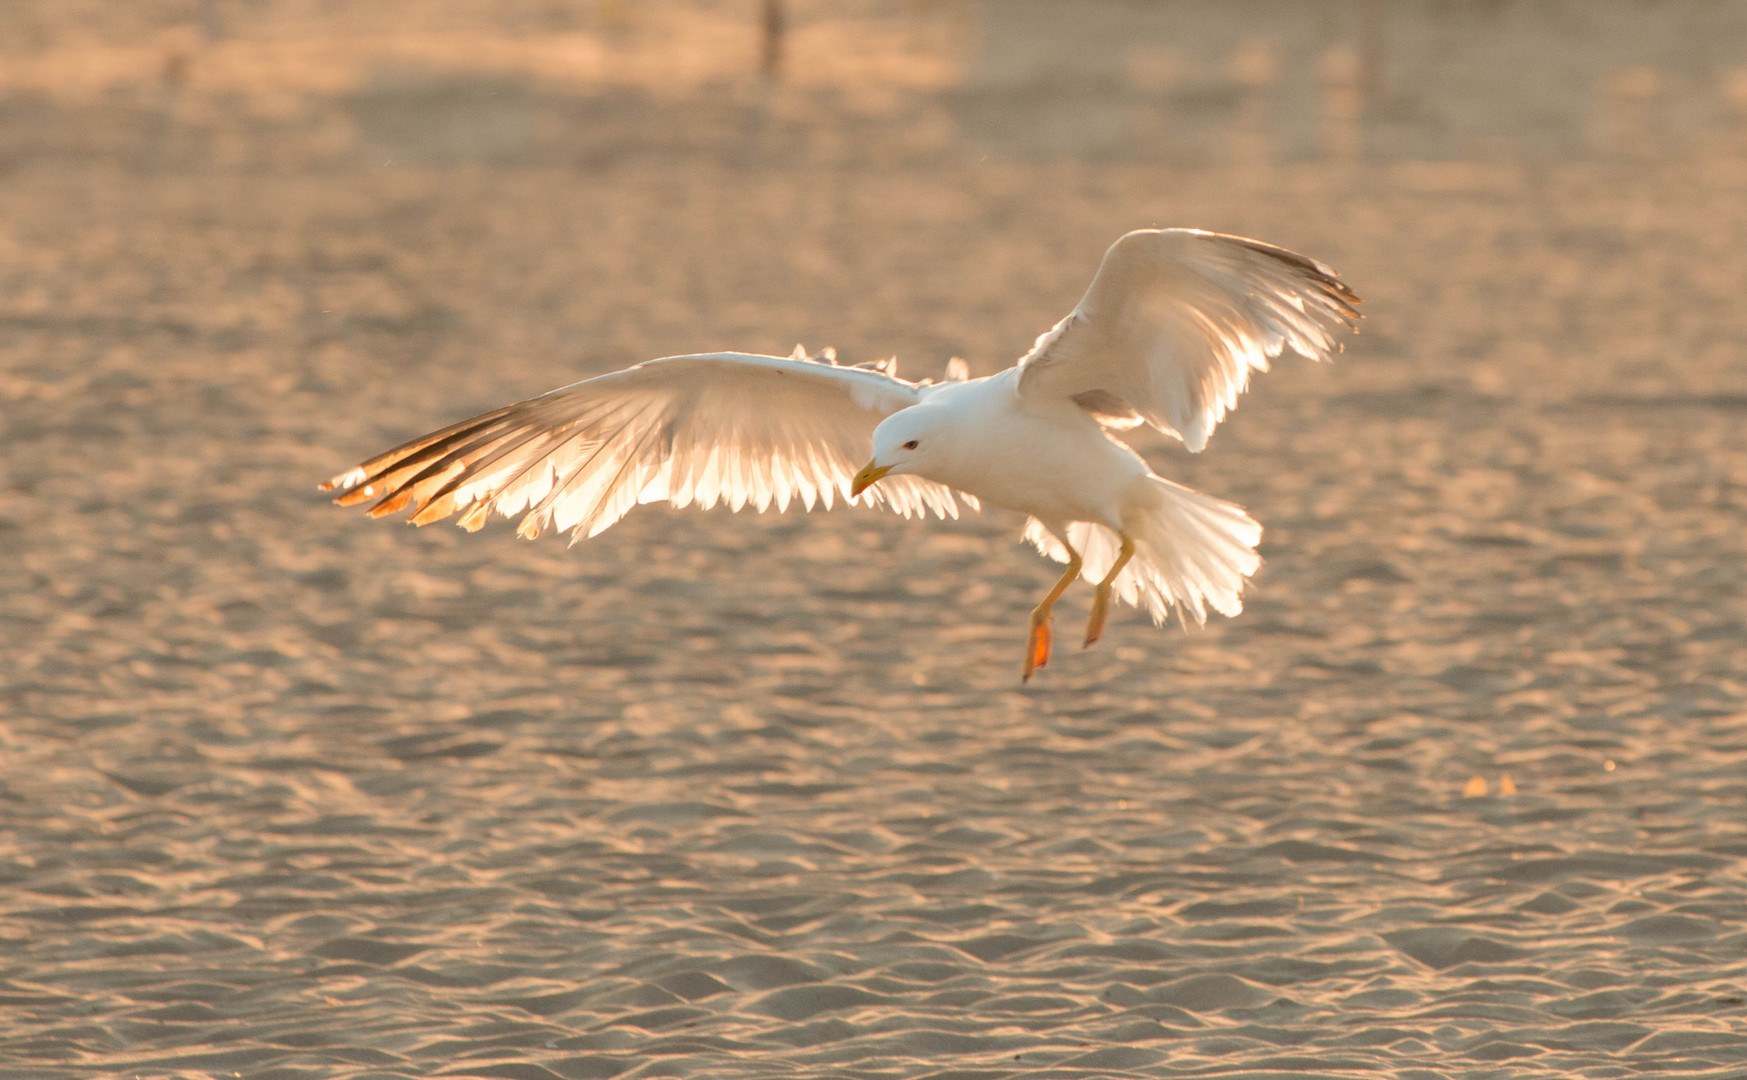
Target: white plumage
(1168, 334)
(729, 428)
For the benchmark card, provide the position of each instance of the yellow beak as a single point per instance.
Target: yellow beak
(866, 477)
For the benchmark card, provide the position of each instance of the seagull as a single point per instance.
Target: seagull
(1170, 329)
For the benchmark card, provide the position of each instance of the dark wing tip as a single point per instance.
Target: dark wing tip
(1322, 276)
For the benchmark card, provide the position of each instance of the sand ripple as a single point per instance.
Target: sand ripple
(289, 795)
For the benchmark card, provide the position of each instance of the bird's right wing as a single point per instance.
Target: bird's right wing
(728, 428)
(1175, 321)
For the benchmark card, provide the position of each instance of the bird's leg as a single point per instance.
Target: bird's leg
(1101, 598)
(1037, 645)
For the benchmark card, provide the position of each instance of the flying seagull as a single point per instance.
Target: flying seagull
(1168, 333)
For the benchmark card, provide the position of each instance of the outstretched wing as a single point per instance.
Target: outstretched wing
(1176, 320)
(721, 428)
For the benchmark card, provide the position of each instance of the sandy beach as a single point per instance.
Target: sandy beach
(289, 794)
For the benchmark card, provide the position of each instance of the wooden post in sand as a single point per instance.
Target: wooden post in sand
(772, 26)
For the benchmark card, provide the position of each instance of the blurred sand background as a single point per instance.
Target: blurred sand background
(288, 794)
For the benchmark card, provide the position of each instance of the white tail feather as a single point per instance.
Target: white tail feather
(1191, 551)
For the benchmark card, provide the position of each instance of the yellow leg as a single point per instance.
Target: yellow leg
(1037, 645)
(1101, 598)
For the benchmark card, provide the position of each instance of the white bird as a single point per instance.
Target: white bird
(1167, 335)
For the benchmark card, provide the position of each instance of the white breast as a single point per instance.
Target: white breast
(1051, 461)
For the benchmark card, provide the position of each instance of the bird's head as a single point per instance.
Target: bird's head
(909, 441)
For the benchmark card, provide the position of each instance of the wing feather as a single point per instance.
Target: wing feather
(729, 428)
(1177, 319)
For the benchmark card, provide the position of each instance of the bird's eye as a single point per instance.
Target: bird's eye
(911, 445)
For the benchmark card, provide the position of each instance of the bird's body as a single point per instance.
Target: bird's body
(1074, 470)
(1167, 335)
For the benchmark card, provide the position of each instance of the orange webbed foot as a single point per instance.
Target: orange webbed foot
(1037, 647)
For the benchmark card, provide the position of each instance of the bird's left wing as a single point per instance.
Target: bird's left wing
(1175, 321)
(728, 428)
